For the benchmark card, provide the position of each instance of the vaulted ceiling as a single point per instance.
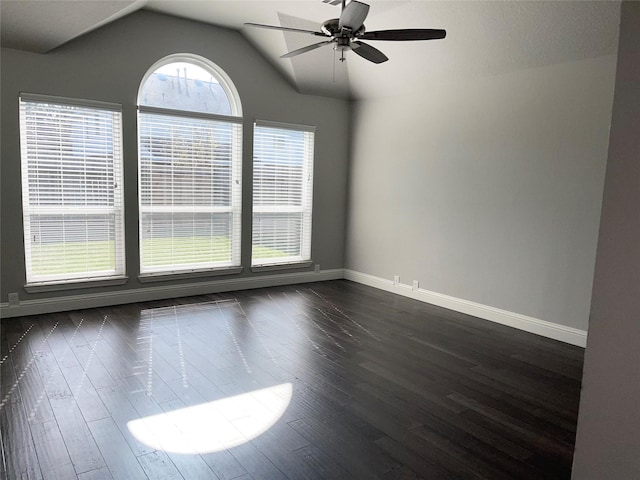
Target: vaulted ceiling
(483, 37)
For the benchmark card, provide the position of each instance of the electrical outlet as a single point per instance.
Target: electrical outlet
(316, 268)
(14, 300)
(415, 285)
(396, 279)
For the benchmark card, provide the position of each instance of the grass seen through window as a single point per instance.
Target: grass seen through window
(98, 256)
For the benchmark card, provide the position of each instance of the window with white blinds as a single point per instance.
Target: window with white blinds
(282, 193)
(189, 144)
(72, 197)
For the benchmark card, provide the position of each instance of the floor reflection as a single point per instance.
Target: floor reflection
(214, 426)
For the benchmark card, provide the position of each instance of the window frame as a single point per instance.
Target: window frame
(163, 272)
(306, 208)
(89, 278)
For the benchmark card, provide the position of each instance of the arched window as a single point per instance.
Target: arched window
(189, 149)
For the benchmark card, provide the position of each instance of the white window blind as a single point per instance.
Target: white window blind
(190, 192)
(282, 193)
(71, 190)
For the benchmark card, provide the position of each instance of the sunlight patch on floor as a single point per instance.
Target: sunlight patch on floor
(214, 426)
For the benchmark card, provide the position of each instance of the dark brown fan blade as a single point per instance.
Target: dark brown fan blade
(405, 35)
(308, 48)
(287, 29)
(353, 16)
(368, 52)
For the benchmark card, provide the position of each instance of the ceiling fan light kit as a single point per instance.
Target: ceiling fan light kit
(345, 33)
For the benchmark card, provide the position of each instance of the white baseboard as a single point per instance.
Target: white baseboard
(118, 297)
(504, 317)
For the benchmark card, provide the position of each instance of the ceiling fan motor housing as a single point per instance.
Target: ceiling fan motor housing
(330, 27)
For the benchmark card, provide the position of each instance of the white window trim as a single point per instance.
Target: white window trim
(286, 126)
(36, 97)
(167, 272)
(188, 114)
(225, 81)
(77, 285)
(38, 283)
(297, 261)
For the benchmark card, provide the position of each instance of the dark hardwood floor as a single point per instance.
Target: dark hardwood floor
(329, 380)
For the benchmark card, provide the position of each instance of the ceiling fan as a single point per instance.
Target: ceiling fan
(346, 33)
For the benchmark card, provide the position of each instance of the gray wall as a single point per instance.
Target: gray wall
(608, 439)
(108, 65)
(486, 189)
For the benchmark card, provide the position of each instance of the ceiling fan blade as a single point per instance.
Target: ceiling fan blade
(406, 34)
(368, 52)
(353, 16)
(308, 48)
(286, 29)
(332, 2)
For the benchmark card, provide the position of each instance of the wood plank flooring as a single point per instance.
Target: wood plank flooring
(331, 380)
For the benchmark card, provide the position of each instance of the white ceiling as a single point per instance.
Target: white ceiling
(483, 37)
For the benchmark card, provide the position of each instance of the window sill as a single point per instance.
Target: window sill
(71, 285)
(164, 277)
(281, 266)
